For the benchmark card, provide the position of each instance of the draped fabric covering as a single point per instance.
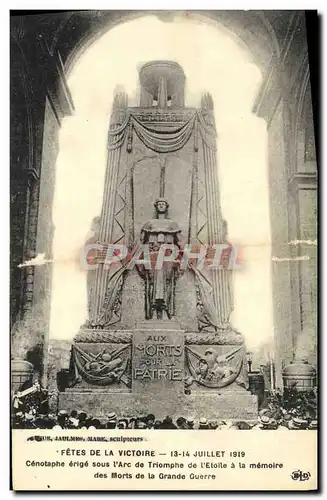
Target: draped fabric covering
(163, 141)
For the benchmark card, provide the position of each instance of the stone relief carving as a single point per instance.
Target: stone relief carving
(104, 368)
(103, 336)
(211, 369)
(111, 310)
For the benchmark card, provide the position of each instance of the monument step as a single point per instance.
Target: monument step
(231, 405)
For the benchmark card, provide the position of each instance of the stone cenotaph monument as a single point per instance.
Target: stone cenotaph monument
(158, 338)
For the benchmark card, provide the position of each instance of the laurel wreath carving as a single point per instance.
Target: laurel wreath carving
(100, 336)
(232, 338)
(195, 338)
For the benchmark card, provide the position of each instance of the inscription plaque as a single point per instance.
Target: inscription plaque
(158, 358)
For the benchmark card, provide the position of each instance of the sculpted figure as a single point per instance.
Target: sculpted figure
(160, 283)
(212, 370)
(218, 367)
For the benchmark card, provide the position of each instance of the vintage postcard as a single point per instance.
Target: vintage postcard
(163, 267)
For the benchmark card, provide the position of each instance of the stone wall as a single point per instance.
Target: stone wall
(281, 273)
(43, 273)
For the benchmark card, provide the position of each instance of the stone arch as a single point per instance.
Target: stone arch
(252, 29)
(298, 107)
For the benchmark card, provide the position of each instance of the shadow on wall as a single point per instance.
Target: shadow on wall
(27, 337)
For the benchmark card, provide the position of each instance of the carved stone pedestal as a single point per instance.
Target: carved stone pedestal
(233, 405)
(158, 368)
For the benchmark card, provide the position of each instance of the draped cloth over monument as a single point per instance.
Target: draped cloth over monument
(166, 141)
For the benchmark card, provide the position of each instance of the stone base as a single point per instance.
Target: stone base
(159, 360)
(230, 404)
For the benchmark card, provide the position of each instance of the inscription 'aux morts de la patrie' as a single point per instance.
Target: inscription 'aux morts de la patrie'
(158, 360)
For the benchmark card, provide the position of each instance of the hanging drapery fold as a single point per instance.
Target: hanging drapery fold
(161, 141)
(164, 141)
(119, 128)
(208, 134)
(117, 134)
(221, 278)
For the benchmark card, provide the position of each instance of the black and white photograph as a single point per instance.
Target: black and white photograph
(163, 248)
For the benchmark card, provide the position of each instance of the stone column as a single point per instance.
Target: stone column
(178, 99)
(279, 102)
(30, 249)
(193, 222)
(108, 205)
(146, 99)
(162, 93)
